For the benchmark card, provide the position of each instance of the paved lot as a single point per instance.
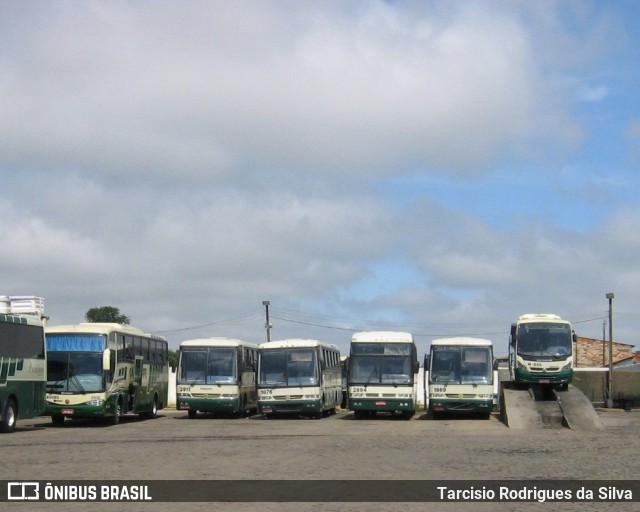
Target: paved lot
(334, 448)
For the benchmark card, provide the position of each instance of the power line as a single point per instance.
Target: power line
(257, 316)
(252, 316)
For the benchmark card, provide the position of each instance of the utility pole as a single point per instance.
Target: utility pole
(267, 325)
(604, 343)
(610, 400)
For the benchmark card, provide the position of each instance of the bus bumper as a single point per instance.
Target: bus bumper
(527, 377)
(382, 405)
(227, 405)
(80, 410)
(289, 407)
(461, 406)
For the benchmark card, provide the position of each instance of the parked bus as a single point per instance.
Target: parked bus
(105, 370)
(541, 350)
(217, 375)
(460, 376)
(382, 377)
(344, 368)
(299, 377)
(23, 361)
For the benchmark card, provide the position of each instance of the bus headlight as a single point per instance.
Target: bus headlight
(229, 396)
(95, 403)
(567, 366)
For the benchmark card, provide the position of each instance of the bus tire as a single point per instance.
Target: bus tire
(154, 409)
(10, 416)
(57, 421)
(192, 414)
(242, 408)
(115, 419)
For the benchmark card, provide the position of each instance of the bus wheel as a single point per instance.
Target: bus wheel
(57, 421)
(242, 409)
(10, 414)
(361, 414)
(154, 409)
(407, 415)
(115, 419)
(192, 414)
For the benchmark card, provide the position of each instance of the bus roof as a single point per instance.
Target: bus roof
(100, 328)
(463, 340)
(217, 342)
(295, 343)
(382, 337)
(22, 319)
(540, 317)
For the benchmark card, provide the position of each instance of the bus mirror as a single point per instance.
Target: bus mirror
(512, 340)
(106, 359)
(416, 367)
(575, 336)
(496, 364)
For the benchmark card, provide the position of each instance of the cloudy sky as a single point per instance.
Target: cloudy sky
(438, 167)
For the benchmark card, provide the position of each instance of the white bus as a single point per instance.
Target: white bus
(541, 350)
(22, 359)
(217, 375)
(104, 370)
(382, 376)
(298, 376)
(460, 376)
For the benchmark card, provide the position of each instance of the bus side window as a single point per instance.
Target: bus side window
(128, 348)
(112, 363)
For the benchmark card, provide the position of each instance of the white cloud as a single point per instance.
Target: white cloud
(186, 163)
(160, 91)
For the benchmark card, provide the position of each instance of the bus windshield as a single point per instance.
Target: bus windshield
(461, 365)
(289, 367)
(215, 365)
(74, 372)
(546, 340)
(381, 363)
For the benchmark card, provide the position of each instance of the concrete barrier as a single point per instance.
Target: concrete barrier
(593, 382)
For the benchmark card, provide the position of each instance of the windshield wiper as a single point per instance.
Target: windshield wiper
(77, 381)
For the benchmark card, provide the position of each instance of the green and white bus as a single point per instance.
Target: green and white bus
(104, 370)
(23, 362)
(217, 375)
(541, 350)
(460, 376)
(382, 376)
(298, 376)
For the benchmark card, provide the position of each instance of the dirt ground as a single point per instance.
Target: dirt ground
(172, 447)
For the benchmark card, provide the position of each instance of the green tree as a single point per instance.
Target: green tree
(173, 356)
(106, 314)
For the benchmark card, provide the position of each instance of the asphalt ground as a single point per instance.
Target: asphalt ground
(336, 448)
